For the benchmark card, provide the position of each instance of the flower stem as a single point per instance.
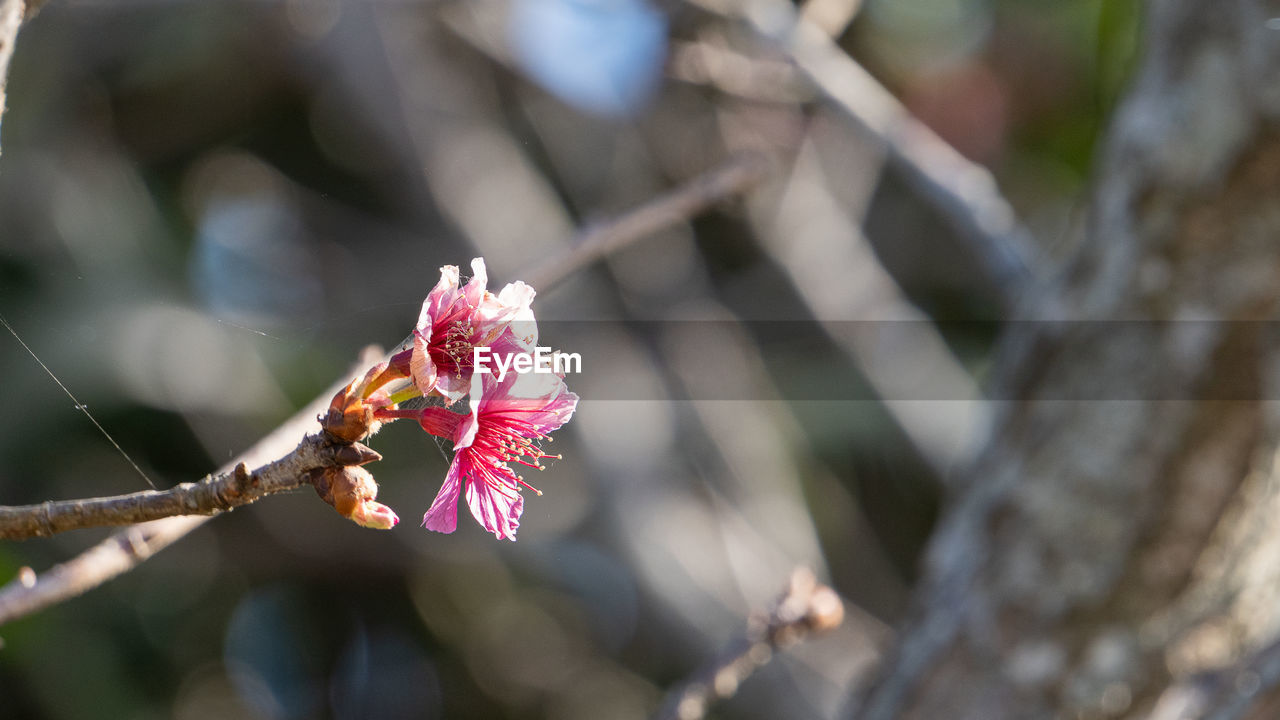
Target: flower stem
(385, 414)
(407, 393)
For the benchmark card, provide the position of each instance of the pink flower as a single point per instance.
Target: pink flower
(506, 421)
(456, 320)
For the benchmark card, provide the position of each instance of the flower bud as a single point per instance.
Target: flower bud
(351, 412)
(351, 491)
(375, 515)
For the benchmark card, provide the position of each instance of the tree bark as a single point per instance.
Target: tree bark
(1105, 547)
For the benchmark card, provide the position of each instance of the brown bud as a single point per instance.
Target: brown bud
(349, 417)
(350, 414)
(826, 611)
(808, 605)
(351, 491)
(356, 454)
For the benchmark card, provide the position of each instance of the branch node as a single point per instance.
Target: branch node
(46, 528)
(807, 607)
(189, 501)
(244, 479)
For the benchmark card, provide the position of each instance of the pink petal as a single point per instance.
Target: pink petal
(440, 297)
(475, 289)
(452, 387)
(496, 506)
(443, 514)
(517, 295)
(422, 369)
(511, 309)
(465, 434)
(543, 397)
(523, 326)
(506, 343)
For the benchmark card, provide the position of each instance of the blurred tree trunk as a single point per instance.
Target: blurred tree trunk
(1115, 542)
(10, 19)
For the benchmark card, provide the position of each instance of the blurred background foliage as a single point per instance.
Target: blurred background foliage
(207, 209)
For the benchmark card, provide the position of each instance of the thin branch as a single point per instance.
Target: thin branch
(933, 398)
(603, 237)
(710, 61)
(125, 550)
(210, 496)
(597, 239)
(805, 608)
(833, 17)
(675, 206)
(963, 191)
(185, 503)
(114, 556)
